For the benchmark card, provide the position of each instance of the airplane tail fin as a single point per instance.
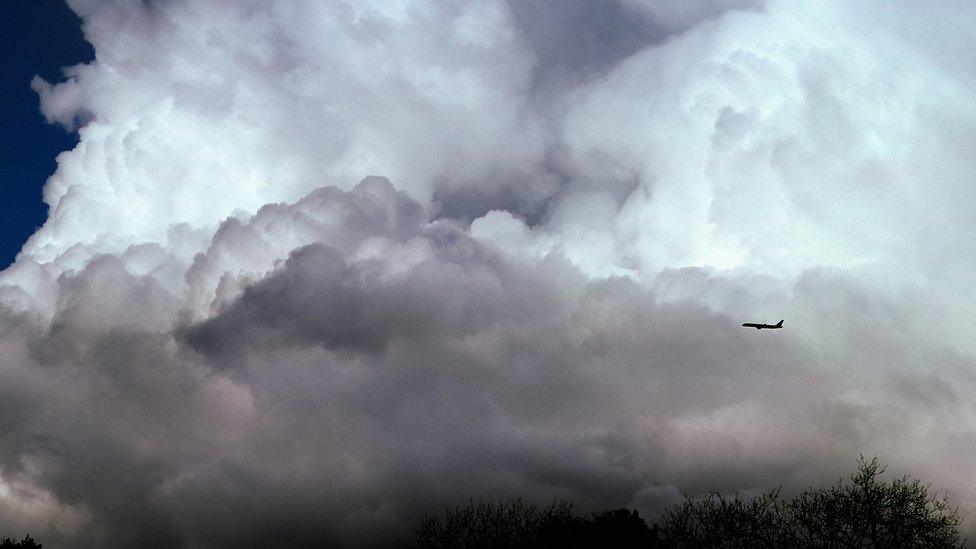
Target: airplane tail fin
(779, 324)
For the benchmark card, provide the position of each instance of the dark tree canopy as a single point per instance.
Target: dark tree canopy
(516, 523)
(26, 543)
(860, 511)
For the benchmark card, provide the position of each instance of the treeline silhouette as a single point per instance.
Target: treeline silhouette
(859, 511)
(26, 543)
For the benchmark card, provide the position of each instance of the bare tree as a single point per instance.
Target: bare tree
(26, 543)
(860, 511)
(517, 524)
(513, 523)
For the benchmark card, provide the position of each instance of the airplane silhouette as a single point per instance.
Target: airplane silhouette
(757, 326)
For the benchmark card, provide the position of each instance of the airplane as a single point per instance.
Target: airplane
(776, 326)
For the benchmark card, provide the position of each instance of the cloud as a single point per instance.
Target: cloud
(314, 270)
(357, 389)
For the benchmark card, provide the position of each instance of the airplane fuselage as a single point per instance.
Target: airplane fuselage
(759, 326)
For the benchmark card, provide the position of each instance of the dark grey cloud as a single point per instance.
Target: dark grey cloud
(576, 40)
(573, 43)
(573, 40)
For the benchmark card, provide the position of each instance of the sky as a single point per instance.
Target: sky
(312, 269)
(39, 37)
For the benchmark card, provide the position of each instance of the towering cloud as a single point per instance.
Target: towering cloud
(316, 268)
